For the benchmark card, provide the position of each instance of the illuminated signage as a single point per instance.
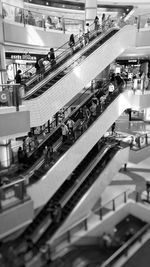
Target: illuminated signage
(23, 57)
(132, 60)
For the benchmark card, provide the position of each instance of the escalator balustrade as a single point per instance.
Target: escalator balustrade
(108, 151)
(67, 69)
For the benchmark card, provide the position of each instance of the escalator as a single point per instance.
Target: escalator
(72, 155)
(64, 83)
(71, 193)
(64, 70)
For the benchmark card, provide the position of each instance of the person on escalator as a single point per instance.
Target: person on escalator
(70, 124)
(42, 68)
(20, 155)
(18, 77)
(57, 213)
(72, 42)
(65, 131)
(87, 33)
(37, 67)
(96, 22)
(51, 57)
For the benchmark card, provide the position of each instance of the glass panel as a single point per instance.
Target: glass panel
(12, 194)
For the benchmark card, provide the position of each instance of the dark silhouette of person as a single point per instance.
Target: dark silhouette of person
(71, 40)
(18, 76)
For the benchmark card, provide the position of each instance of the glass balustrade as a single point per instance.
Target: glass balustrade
(12, 194)
(38, 19)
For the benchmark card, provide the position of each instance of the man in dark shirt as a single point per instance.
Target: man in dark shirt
(18, 76)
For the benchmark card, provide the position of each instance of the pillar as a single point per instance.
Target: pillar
(5, 153)
(90, 11)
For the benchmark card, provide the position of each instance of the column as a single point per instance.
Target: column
(10, 9)
(2, 51)
(90, 11)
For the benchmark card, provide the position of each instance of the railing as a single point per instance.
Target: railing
(140, 141)
(144, 21)
(83, 224)
(10, 95)
(12, 194)
(123, 251)
(38, 19)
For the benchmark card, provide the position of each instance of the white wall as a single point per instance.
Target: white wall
(16, 33)
(14, 123)
(140, 155)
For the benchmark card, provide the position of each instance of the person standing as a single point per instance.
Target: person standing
(70, 125)
(37, 67)
(51, 57)
(86, 114)
(65, 131)
(96, 22)
(113, 128)
(87, 33)
(42, 68)
(72, 42)
(111, 89)
(18, 77)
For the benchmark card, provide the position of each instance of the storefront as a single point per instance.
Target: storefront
(23, 61)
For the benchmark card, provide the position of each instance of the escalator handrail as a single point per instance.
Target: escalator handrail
(94, 163)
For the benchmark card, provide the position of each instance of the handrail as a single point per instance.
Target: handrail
(96, 160)
(11, 184)
(126, 246)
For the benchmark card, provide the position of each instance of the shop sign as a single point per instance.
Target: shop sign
(28, 57)
(132, 60)
(3, 97)
(23, 57)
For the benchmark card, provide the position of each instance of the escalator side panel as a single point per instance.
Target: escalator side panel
(46, 105)
(89, 199)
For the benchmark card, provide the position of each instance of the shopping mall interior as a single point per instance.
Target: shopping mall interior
(74, 133)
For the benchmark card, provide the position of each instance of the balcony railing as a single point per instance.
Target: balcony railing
(41, 20)
(12, 194)
(83, 225)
